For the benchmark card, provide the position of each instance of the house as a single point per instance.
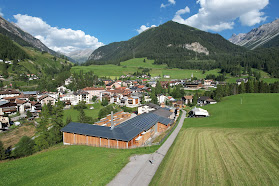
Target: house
(146, 108)
(4, 121)
(94, 91)
(82, 95)
(8, 107)
(207, 82)
(62, 89)
(192, 85)
(198, 112)
(29, 94)
(204, 100)
(161, 98)
(132, 101)
(45, 99)
(239, 81)
(9, 93)
(23, 105)
(36, 108)
(132, 133)
(187, 100)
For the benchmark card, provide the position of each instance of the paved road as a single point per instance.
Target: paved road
(139, 171)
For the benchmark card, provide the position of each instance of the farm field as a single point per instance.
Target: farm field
(68, 165)
(237, 145)
(214, 156)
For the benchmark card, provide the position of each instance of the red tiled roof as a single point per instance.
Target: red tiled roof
(188, 97)
(93, 88)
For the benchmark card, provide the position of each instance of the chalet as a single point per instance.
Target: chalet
(187, 99)
(132, 133)
(9, 93)
(204, 100)
(45, 99)
(8, 107)
(192, 86)
(198, 112)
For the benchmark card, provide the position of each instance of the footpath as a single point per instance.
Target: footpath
(141, 169)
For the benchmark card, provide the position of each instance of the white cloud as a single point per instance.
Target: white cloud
(218, 15)
(143, 28)
(171, 2)
(58, 39)
(1, 13)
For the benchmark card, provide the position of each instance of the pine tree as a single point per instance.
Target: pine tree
(2, 151)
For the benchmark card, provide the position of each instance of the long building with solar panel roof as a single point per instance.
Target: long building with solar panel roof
(129, 134)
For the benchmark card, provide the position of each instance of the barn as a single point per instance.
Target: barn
(129, 134)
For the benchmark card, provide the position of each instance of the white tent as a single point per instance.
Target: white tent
(199, 112)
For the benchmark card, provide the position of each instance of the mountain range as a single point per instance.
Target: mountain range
(21, 37)
(165, 41)
(80, 56)
(266, 35)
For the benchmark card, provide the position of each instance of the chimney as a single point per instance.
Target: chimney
(112, 124)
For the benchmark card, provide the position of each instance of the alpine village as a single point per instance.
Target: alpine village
(174, 105)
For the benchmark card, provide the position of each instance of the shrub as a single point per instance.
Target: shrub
(24, 147)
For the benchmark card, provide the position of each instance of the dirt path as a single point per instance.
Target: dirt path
(140, 171)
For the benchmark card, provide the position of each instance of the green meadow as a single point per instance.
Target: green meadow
(74, 114)
(237, 145)
(68, 165)
(137, 64)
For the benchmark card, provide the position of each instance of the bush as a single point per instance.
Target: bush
(24, 147)
(105, 111)
(104, 102)
(81, 105)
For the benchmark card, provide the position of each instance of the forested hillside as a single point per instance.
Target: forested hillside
(168, 41)
(9, 50)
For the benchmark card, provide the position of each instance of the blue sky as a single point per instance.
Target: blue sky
(70, 25)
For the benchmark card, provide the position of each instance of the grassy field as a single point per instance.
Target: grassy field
(237, 145)
(68, 165)
(73, 113)
(256, 110)
(133, 65)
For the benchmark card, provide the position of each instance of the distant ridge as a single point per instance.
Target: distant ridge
(262, 36)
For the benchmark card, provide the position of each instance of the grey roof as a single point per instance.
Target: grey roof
(124, 131)
(152, 105)
(30, 92)
(3, 102)
(162, 112)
